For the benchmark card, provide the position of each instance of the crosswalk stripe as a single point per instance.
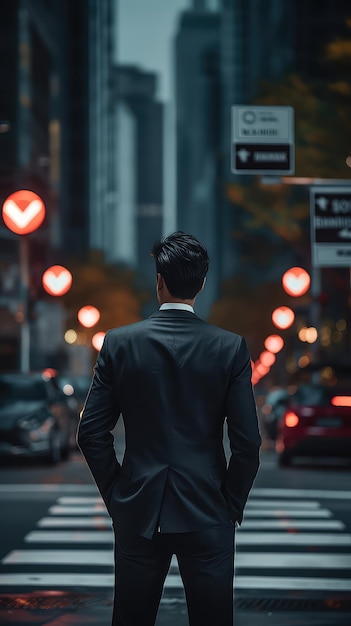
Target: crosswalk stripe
(256, 503)
(250, 511)
(173, 581)
(69, 536)
(291, 524)
(252, 559)
(75, 522)
(252, 502)
(285, 512)
(242, 538)
(261, 492)
(274, 492)
(58, 509)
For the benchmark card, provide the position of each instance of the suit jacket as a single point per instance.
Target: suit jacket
(174, 378)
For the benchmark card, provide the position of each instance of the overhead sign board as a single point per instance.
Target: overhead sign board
(262, 140)
(331, 226)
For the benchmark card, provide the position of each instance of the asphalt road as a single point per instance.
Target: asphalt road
(293, 561)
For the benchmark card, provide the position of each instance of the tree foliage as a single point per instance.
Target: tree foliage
(111, 289)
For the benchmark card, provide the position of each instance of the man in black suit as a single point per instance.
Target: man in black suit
(175, 379)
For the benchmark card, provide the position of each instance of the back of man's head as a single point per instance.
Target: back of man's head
(183, 262)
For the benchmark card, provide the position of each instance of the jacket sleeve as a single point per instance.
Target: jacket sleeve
(243, 433)
(98, 418)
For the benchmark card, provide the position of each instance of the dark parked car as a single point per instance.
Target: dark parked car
(34, 417)
(316, 422)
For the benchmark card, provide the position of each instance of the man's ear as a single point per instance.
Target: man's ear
(203, 284)
(159, 281)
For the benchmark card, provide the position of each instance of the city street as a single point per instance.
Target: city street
(293, 563)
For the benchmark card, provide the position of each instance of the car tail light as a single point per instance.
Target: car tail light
(341, 401)
(291, 419)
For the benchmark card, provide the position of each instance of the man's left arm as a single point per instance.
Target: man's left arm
(98, 418)
(243, 432)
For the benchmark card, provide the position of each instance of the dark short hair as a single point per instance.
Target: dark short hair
(183, 262)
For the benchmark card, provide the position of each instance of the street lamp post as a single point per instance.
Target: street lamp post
(23, 212)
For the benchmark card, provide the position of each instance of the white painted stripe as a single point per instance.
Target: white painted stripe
(242, 538)
(281, 524)
(48, 488)
(173, 581)
(263, 492)
(291, 513)
(260, 492)
(69, 536)
(75, 522)
(290, 583)
(286, 504)
(292, 539)
(252, 502)
(58, 509)
(254, 560)
(60, 557)
(79, 500)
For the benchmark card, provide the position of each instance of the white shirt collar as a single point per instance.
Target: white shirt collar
(181, 306)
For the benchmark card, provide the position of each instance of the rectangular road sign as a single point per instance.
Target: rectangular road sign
(331, 226)
(262, 140)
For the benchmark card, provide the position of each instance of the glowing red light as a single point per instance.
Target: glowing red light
(274, 343)
(283, 317)
(341, 401)
(88, 316)
(291, 419)
(267, 358)
(23, 212)
(57, 280)
(98, 340)
(296, 281)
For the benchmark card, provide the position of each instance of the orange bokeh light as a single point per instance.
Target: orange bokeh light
(274, 343)
(57, 280)
(23, 212)
(341, 401)
(283, 317)
(98, 340)
(291, 419)
(88, 316)
(296, 281)
(267, 358)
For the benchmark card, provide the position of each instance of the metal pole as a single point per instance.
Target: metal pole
(316, 314)
(25, 330)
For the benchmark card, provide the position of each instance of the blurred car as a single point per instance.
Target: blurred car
(273, 408)
(316, 422)
(34, 417)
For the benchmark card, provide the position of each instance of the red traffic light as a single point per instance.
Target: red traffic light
(23, 212)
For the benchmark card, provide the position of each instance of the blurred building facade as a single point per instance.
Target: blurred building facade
(139, 214)
(248, 41)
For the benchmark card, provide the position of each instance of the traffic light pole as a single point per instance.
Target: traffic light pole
(24, 285)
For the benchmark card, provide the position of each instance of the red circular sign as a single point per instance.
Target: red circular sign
(23, 212)
(57, 280)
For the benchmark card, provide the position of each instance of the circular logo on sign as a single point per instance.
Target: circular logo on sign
(249, 117)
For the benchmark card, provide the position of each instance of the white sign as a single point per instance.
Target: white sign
(331, 226)
(262, 140)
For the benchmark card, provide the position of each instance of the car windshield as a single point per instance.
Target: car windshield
(11, 390)
(316, 396)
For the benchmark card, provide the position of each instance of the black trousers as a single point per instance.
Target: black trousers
(206, 565)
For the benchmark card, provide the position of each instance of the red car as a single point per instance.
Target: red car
(316, 422)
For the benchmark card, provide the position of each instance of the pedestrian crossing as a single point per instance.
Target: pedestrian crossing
(287, 542)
